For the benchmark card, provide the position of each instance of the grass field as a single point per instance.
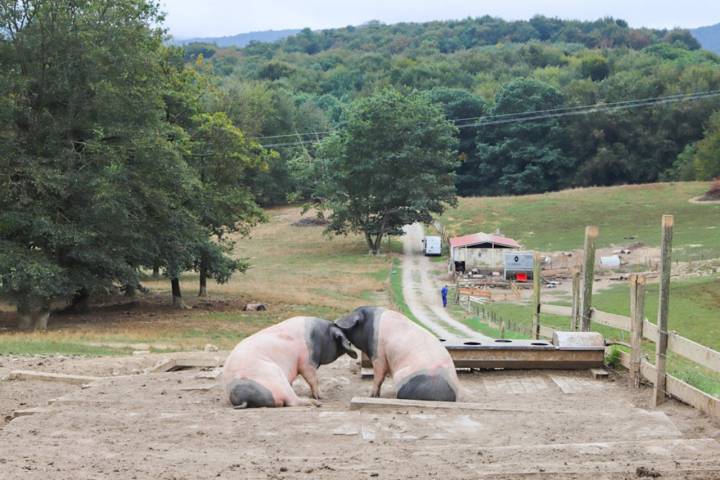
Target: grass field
(556, 221)
(295, 270)
(694, 307)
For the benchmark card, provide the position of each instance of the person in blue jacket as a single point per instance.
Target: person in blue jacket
(444, 292)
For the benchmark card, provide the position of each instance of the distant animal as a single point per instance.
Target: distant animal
(260, 370)
(421, 368)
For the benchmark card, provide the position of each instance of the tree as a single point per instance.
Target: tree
(707, 155)
(461, 107)
(595, 67)
(522, 157)
(222, 157)
(98, 178)
(219, 201)
(390, 165)
(84, 86)
(683, 169)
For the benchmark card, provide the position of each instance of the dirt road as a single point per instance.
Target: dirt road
(422, 293)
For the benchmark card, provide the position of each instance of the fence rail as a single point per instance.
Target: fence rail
(705, 356)
(677, 388)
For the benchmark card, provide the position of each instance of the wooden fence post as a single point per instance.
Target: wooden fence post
(637, 313)
(591, 234)
(575, 322)
(662, 322)
(536, 297)
(502, 328)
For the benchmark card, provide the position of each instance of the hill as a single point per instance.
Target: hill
(709, 37)
(478, 69)
(241, 39)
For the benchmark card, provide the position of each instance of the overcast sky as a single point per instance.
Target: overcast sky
(191, 18)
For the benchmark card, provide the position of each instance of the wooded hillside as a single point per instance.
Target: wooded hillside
(290, 94)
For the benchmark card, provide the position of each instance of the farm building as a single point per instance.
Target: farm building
(481, 251)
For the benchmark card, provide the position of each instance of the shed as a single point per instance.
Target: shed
(481, 251)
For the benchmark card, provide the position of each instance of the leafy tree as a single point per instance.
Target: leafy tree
(98, 177)
(595, 67)
(85, 89)
(522, 157)
(707, 156)
(194, 50)
(222, 156)
(683, 169)
(390, 165)
(684, 38)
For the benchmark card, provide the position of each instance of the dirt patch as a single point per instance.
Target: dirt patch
(705, 200)
(22, 395)
(311, 222)
(165, 426)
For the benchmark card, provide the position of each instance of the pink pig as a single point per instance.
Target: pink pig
(421, 368)
(260, 370)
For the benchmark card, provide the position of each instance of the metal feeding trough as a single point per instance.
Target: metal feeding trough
(568, 350)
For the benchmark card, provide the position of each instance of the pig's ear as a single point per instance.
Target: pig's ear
(343, 342)
(349, 321)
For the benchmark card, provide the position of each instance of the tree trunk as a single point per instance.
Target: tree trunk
(374, 244)
(24, 315)
(130, 291)
(203, 277)
(42, 316)
(79, 302)
(378, 243)
(203, 284)
(177, 299)
(368, 239)
(33, 318)
(156, 271)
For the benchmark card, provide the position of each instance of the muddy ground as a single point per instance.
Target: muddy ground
(137, 425)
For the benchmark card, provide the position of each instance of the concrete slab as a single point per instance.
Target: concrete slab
(573, 384)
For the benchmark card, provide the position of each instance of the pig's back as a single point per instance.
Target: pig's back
(282, 346)
(409, 348)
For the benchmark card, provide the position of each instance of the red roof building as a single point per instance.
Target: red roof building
(483, 240)
(482, 251)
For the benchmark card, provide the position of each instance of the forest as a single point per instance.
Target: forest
(290, 94)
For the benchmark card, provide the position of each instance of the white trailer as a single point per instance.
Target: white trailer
(432, 246)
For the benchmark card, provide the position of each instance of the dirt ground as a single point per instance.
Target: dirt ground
(137, 425)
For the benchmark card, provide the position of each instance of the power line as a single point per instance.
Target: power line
(296, 134)
(599, 109)
(602, 106)
(535, 115)
(517, 114)
(595, 105)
